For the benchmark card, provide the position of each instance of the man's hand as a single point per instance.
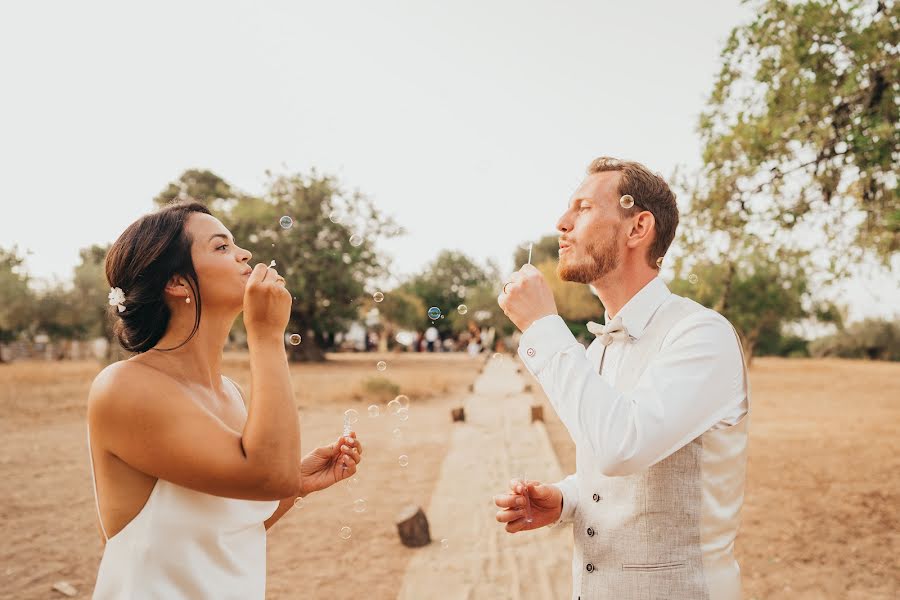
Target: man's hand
(327, 465)
(546, 505)
(526, 297)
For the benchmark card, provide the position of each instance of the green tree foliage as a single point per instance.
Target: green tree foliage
(16, 299)
(871, 338)
(325, 271)
(801, 127)
(546, 248)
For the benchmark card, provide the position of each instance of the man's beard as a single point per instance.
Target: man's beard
(601, 260)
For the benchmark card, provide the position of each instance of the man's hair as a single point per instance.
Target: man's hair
(651, 193)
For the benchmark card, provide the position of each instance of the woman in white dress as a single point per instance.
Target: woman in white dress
(189, 473)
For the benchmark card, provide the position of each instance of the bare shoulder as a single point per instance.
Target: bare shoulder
(129, 389)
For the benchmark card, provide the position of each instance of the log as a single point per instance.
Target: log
(459, 414)
(537, 413)
(412, 525)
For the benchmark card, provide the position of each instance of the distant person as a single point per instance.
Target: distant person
(431, 336)
(658, 405)
(189, 474)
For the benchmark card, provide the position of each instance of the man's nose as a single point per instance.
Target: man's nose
(564, 224)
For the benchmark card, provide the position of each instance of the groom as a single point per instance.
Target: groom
(657, 405)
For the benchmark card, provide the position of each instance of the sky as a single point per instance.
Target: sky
(469, 122)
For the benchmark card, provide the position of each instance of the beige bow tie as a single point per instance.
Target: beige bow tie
(614, 330)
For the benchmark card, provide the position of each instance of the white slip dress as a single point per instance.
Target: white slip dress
(185, 544)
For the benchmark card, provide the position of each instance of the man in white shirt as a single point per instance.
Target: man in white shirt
(657, 405)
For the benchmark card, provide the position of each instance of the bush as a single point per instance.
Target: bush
(875, 339)
(377, 389)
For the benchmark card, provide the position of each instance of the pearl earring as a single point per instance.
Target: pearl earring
(187, 300)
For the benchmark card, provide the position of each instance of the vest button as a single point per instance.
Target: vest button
(590, 568)
(590, 531)
(596, 497)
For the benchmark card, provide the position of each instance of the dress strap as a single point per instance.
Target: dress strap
(94, 482)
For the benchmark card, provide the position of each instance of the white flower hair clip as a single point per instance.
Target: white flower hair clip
(117, 298)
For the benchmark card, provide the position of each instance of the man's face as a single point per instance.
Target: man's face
(590, 234)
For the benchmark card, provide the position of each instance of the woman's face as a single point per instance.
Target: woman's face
(222, 266)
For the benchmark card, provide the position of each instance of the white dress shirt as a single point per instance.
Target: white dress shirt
(693, 384)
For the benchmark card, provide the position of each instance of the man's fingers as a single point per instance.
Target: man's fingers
(507, 516)
(516, 526)
(509, 501)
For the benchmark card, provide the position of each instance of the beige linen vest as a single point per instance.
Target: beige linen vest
(668, 532)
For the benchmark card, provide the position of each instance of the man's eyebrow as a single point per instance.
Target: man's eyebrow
(221, 235)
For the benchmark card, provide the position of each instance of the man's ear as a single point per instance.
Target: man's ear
(643, 229)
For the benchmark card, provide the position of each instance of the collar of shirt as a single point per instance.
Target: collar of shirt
(641, 307)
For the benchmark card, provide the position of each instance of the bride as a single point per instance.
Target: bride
(188, 472)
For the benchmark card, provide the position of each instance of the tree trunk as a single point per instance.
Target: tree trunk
(722, 304)
(412, 525)
(307, 351)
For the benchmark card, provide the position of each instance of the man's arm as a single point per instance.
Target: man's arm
(693, 383)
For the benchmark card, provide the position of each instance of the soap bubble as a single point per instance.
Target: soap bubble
(497, 356)
(345, 533)
(462, 309)
(394, 406)
(403, 414)
(403, 400)
(374, 411)
(659, 262)
(434, 313)
(334, 216)
(403, 460)
(356, 240)
(353, 483)
(381, 366)
(396, 433)
(626, 201)
(445, 543)
(359, 505)
(295, 339)
(377, 296)
(298, 502)
(351, 415)
(693, 279)
(286, 222)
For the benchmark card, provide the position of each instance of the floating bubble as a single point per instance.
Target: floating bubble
(403, 414)
(356, 240)
(396, 433)
(359, 505)
(462, 309)
(286, 222)
(345, 533)
(298, 502)
(659, 262)
(353, 483)
(434, 313)
(497, 356)
(693, 279)
(626, 201)
(295, 339)
(394, 406)
(403, 460)
(445, 543)
(334, 216)
(377, 296)
(374, 411)
(381, 366)
(351, 416)
(403, 399)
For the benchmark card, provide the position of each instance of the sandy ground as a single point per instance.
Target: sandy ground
(821, 515)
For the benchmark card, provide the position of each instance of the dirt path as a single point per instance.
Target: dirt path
(480, 559)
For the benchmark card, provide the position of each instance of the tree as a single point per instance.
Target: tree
(800, 132)
(16, 298)
(546, 248)
(446, 283)
(327, 254)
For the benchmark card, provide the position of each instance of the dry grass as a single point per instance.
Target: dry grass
(820, 516)
(47, 514)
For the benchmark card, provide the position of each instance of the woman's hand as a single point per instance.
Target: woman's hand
(267, 303)
(327, 465)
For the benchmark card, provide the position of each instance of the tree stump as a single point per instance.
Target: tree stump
(537, 413)
(459, 414)
(412, 525)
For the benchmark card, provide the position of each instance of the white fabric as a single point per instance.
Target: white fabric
(613, 330)
(694, 384)
(185, 544)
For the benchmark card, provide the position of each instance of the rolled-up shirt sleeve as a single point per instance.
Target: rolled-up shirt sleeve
(569, 489)
(693, 382)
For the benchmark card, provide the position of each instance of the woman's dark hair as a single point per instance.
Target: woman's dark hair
(140, 262)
